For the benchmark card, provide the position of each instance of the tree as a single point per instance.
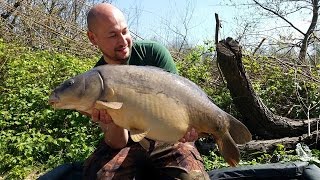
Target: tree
(274, 7)
(175, 31)
(289, 27)
(256, 116)
(47, 24)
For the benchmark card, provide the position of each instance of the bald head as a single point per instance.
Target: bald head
(103, 12)
(108, 30)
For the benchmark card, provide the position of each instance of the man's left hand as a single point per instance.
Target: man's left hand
(190, 136)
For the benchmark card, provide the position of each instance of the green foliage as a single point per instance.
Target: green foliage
(280, 154)
(34, 137)
(199, 66)
(214, 161)
(285, 90)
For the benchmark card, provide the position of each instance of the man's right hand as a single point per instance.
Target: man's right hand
(115, 136)
(101, 116)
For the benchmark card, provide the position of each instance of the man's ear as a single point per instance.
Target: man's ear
(91, 37)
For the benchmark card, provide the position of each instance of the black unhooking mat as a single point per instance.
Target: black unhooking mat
(289, 170)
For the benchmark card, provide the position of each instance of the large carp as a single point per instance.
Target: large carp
(152, 103)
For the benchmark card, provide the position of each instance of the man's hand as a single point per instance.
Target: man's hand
(190, 136)
(101, 116)
(116, 137)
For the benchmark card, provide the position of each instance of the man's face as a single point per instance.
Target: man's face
(113, 38)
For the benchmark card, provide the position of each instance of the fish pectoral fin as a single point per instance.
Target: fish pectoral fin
(108, 105)
(145, 144)
(137, 135)
(110, 91)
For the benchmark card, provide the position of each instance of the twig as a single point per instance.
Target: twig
(218, 26)
(280, 16)
(258, 46)
(317, 131)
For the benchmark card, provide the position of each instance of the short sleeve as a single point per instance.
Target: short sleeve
(162, 58)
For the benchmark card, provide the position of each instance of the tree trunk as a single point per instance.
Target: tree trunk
(305, 41)
(256, 116)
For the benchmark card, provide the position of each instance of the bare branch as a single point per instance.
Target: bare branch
(263, 39)
(277, 14)
(218, 26)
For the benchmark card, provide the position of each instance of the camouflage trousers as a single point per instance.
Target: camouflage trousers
(162, 161)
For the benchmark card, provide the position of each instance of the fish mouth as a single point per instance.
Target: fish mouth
(58, 105)
(54, 101)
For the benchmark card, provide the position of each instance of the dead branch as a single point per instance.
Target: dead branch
(258, 47)
(269, 146)
(258, 118)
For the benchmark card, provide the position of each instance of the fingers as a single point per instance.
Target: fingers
(101, 116)
(193, 135)
(190, 136)
(183, 140)
(84, 113)
(95, 116)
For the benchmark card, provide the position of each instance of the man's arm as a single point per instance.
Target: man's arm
(116, 137)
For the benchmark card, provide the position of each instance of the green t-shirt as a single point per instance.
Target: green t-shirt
(149, 53)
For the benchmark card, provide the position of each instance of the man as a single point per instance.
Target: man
(118, 156)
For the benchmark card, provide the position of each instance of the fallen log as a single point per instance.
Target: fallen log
(289, 143)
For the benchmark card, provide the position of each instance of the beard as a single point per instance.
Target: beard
(117, 58)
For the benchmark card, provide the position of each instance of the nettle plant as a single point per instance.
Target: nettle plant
(286, 90)
(35, 137)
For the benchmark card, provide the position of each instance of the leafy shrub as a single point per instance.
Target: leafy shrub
(287, 91)
(280, 154)
(199, 65)
(34, 137)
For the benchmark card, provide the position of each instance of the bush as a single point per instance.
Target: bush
(287, 91)
(34, 137)
(199, 65)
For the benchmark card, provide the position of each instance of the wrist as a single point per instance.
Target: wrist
(116, 137)
(110, 126)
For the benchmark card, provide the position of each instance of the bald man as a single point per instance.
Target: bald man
(117, 156)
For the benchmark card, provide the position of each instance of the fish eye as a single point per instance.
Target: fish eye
(70, 82)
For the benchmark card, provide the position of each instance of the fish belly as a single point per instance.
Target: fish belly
(164, 117)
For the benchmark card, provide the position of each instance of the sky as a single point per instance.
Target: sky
(150, 18)
(162, 19)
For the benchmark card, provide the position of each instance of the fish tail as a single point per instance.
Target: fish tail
(228, 149)
(238, 131)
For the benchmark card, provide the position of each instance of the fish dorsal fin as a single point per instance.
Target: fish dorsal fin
(137, 135)
(108, 105)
